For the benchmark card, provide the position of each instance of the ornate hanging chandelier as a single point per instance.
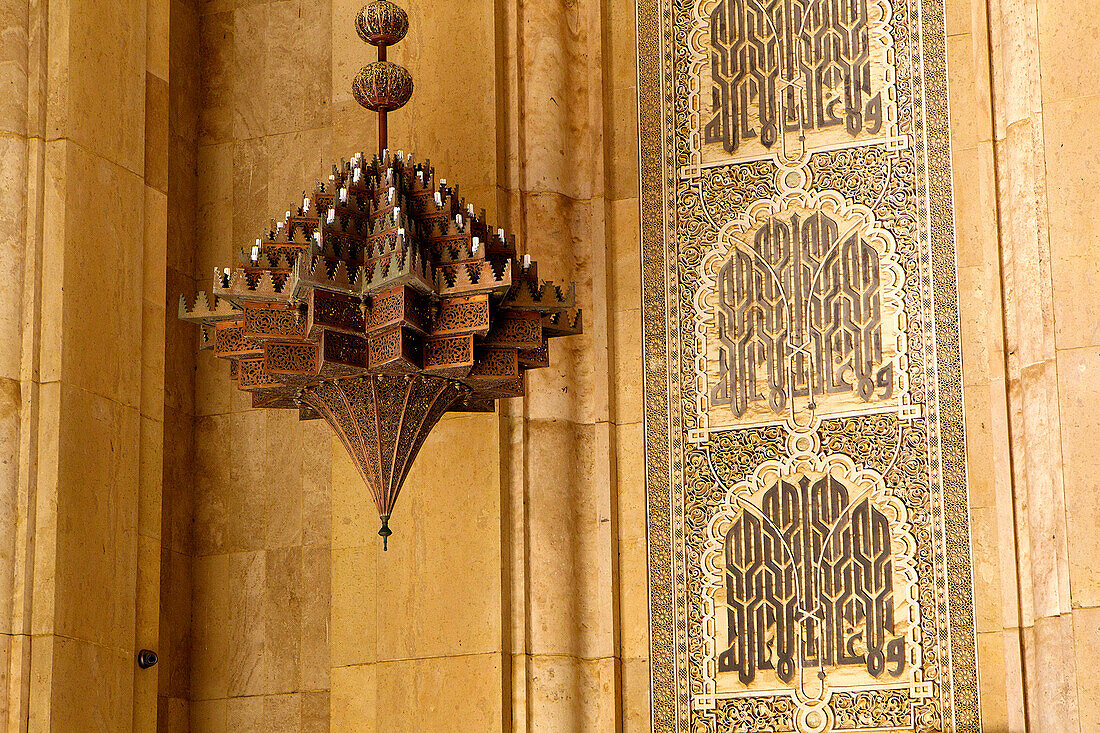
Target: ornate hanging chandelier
(384, 300)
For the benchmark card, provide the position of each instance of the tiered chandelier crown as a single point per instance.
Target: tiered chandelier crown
(384, 300)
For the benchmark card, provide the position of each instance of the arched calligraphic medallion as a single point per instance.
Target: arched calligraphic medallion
(799, 313)
(809, 583)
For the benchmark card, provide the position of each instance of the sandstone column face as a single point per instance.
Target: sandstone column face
(15, 151)
(82, 250)
(808, 522)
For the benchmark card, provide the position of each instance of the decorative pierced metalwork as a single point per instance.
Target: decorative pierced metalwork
(383, 301)
(383, 421)
(383, 86)
(382, 23)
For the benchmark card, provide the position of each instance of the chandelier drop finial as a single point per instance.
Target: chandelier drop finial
(382, 86)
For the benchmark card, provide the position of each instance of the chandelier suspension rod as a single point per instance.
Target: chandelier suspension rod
(383, 114)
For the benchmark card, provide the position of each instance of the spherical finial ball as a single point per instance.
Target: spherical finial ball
(382, 23)
(382, 86)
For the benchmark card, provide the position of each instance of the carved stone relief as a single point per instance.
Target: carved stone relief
(808, 533)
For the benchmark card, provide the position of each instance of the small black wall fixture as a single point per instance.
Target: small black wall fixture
(147, 658)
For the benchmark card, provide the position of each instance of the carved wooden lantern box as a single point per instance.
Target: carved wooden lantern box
(383, 301)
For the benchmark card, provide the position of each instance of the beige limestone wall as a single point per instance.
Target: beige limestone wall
(1068, 48)
(19, 194)
(261, 541)
(984, 392)
(576, 529)
(1027, 266)
(1043, 125)
(84, 136)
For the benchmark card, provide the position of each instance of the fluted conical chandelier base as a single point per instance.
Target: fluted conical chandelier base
(382, 421)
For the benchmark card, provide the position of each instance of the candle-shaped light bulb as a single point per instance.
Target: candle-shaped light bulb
(305, 205)
(476, 246)
(343, 195)
(390, 194)
(458, 220)
(500, 233)
(357, 175)
(526, 261)
(438, 200)
(332, 216)
(256, 252)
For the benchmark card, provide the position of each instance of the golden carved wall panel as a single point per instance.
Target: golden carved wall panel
(807, 505)
(822, 71)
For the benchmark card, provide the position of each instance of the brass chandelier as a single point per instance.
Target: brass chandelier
(384, 300)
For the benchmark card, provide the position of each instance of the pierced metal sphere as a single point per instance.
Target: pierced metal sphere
(382, 23)
(382, 86)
